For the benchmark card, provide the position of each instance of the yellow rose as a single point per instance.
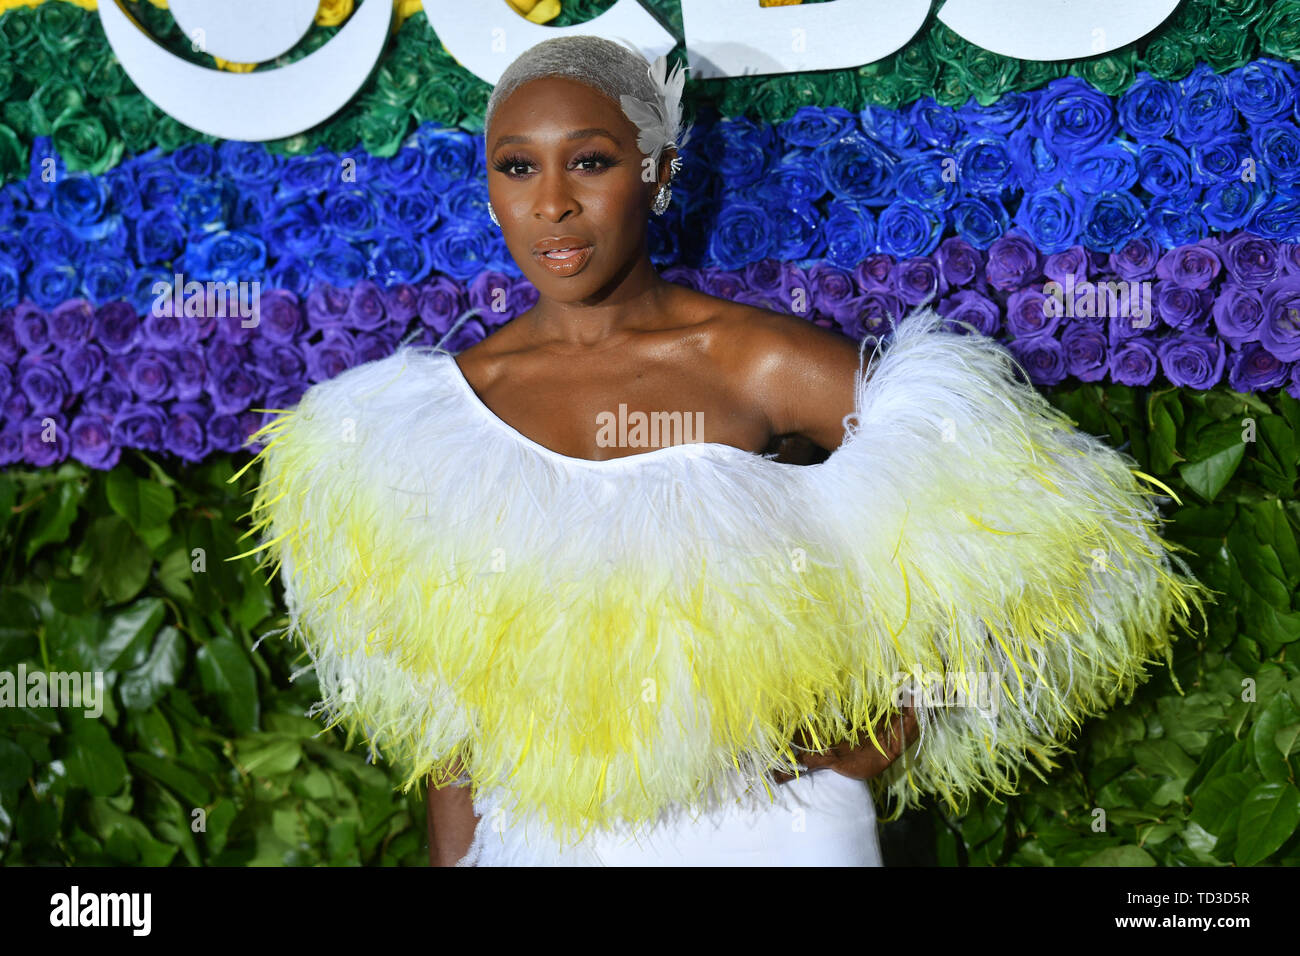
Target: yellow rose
(232, 66)
(333, 12)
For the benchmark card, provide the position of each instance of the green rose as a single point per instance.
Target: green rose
(1169, 57)
(105, 79)
(52, 99)
(80, 138)
(1224, 44)
(84, 59)
(1243, 11)
(986, 75)
(299, 144)
(17, 30)
(382, 126)
(341, 135)
(37, 64)
(133, 118)
(1112, 73)
(918, 68)
(61, 26)
(437, 101)
(1279, 31)
(13, 155)
(169, 133)
(1035, 74)
(944, 43)
(883, 89)
(22, 117)
(842, 90)
(1189, 18)
(473, 102)
(398, 79)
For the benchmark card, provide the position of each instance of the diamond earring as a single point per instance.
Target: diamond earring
(662, 198)
(492, 214)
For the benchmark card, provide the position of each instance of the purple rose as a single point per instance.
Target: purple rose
(91, 435)
(1084, 347)
(225, 433)
(470, 332)
(151, 376)
(766, 276)
(366, 308)
(1133, 362)
(83, 365)
(1013, 262)
(919, 280)
(1237, 314)
(969, 306)
(687, 276)
(1252, 262)
(1279, 332)
(185, 435)
(1193, 267)
(441, 303)
(189, 372)
(495, 296)
(721, 283)
(139, 425)
(9, 348)
(42, 383)
(875, 273)
(1136, 260)
(117, 327)
(334, 354)
(877, 313)
(834, 294)
(233, 387)
(1072, 261)
(1255, 369)
(1029, 313)
(280, 316)
(959, 261)
(71, 322)
(1192, 360)
(11, 445)
(327, 306)
(106, 398)
(1290, 254)
(1042, 358)
(402, 302)
(1179, 307)
(43, 443)
(31, 327)
(279, 362)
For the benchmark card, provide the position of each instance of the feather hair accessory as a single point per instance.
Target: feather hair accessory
(660, 124)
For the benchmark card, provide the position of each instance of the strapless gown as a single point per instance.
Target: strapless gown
(822, 818)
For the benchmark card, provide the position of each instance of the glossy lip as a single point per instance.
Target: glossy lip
(565, 266)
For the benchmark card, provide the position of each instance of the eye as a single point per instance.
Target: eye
(510, 164)
(598, 161)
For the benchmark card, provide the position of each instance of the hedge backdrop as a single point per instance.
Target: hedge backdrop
(1172, 165)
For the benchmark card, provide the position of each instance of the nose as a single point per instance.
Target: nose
(554, 201)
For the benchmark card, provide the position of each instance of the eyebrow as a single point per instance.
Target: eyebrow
(572, 134)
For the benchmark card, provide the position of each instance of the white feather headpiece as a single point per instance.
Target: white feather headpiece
(660, 123)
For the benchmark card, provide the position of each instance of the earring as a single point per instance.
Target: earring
(662, 198)
(492, 214)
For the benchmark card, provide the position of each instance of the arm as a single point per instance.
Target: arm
(451, 821)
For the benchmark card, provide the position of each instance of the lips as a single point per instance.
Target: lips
(562, 255)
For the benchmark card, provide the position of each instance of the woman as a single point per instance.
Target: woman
(621, 648)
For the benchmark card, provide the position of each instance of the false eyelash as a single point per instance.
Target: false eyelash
(505, 163)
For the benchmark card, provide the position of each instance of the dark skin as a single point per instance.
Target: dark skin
(563, 161)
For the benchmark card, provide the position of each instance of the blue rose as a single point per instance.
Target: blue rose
(810, 126)
(157, 182)
(737, 150)
(1263, 89)
(1112, 165)
(850, 232)
(888, 127)
(935, 124)
(906, 229)
(307, 176)
(1173, 224)
(742, 234)
(49, 283)
(1221, 159)
(411, 212)
(1277, 218)
(339, 263)
(291, 273)
(124, 194)
(195, 160)
(225, 257)
(351, 213)
(451, 155)
(1230, 205)
(1051, 218)
(928, 179)
(461, 249)
(985, 166)
(399, 259)
(795, 177)
(1036, 166)
(80, 200)
(1072, 117)
(1110, 219)
(403, 171)
(10, 281)
(467, 201)
(1205, 110)
(1277, 145)
(54, 239)
(797, 228)
(139, 288)
(104, 279)
(979, 220)
(201, 205)
(1147, 107)
(1003, 115)
(249, 164)
(1164, 169)
(251, 208)
(296, 229)
(853, 167)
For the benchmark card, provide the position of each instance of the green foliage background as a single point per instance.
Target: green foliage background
(100, 574)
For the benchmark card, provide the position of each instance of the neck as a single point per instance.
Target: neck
(631, 299)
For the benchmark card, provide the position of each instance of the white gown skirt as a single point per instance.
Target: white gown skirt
(820, 819)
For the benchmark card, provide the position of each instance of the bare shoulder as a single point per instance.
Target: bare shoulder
(760, 344)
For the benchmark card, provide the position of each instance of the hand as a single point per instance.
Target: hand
(864, 761)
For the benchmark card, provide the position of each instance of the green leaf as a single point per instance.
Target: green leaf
(224, 670)
(142, 687)
(1286, 739)
(1120, 856)
(1164, 757)
(1218, 801)
(1213, 466)
(129, 631)
(93, 761)
(120, 560)
(58, 512)
(1279, 712)
(143, 504)
(15, 766)
(265, 755)
(184, 783)
(1269, 815)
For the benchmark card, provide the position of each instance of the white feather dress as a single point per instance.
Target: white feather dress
(628, 647)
